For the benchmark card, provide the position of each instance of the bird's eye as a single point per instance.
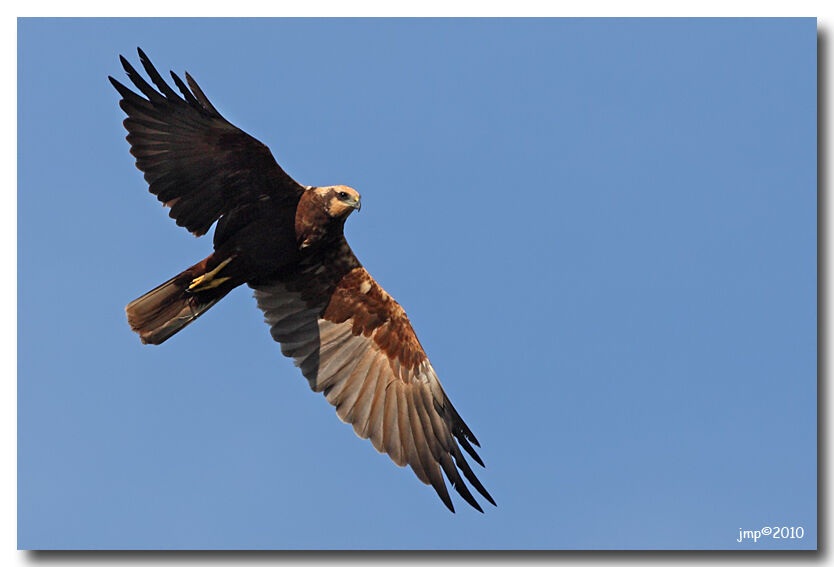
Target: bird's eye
(343, 195)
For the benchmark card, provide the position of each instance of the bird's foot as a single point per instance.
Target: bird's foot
(208, 280)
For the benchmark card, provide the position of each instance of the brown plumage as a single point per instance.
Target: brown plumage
(351, 340)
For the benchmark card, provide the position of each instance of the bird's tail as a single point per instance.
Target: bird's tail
(168, 308)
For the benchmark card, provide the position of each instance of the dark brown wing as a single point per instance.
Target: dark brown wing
(194, 160)
(354, 343)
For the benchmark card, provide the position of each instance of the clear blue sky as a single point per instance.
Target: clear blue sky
(603, 231)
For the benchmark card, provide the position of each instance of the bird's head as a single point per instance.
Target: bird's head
(339, 200)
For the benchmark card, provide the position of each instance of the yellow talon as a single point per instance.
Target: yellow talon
(196, 286)
(208, 278)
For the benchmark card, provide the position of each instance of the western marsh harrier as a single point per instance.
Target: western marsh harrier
(352, 341)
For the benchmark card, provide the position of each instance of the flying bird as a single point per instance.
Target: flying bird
(352, 341)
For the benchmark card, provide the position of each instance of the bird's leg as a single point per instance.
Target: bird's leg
(208, 280)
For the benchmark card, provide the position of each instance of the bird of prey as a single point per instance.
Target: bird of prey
(351, 340)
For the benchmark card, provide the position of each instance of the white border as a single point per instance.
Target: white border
(8, 221)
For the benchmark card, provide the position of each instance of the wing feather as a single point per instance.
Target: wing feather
(194, 160)
(353, 384)
(423, 449)
(361, 415)
(355, 344)
(407, 444)
(376, 420)
(391, 439)
(189, 98)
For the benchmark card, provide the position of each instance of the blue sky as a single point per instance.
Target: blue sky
(603, 231)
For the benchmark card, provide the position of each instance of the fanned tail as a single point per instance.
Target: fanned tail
(168, 308)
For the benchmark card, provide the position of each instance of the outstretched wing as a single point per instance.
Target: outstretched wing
(194, 160)
(354, 344)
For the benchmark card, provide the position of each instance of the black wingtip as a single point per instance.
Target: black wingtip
(123, 90)
(142, 57)
(201, 97)
(487, 495)
(129, 69)
(489, 498)
(449, 505)
(471, 501)
(464, 442)
(189, 98)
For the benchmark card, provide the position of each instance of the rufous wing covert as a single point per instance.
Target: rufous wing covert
(350, 339)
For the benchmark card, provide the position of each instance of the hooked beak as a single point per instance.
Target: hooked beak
(358, 204)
